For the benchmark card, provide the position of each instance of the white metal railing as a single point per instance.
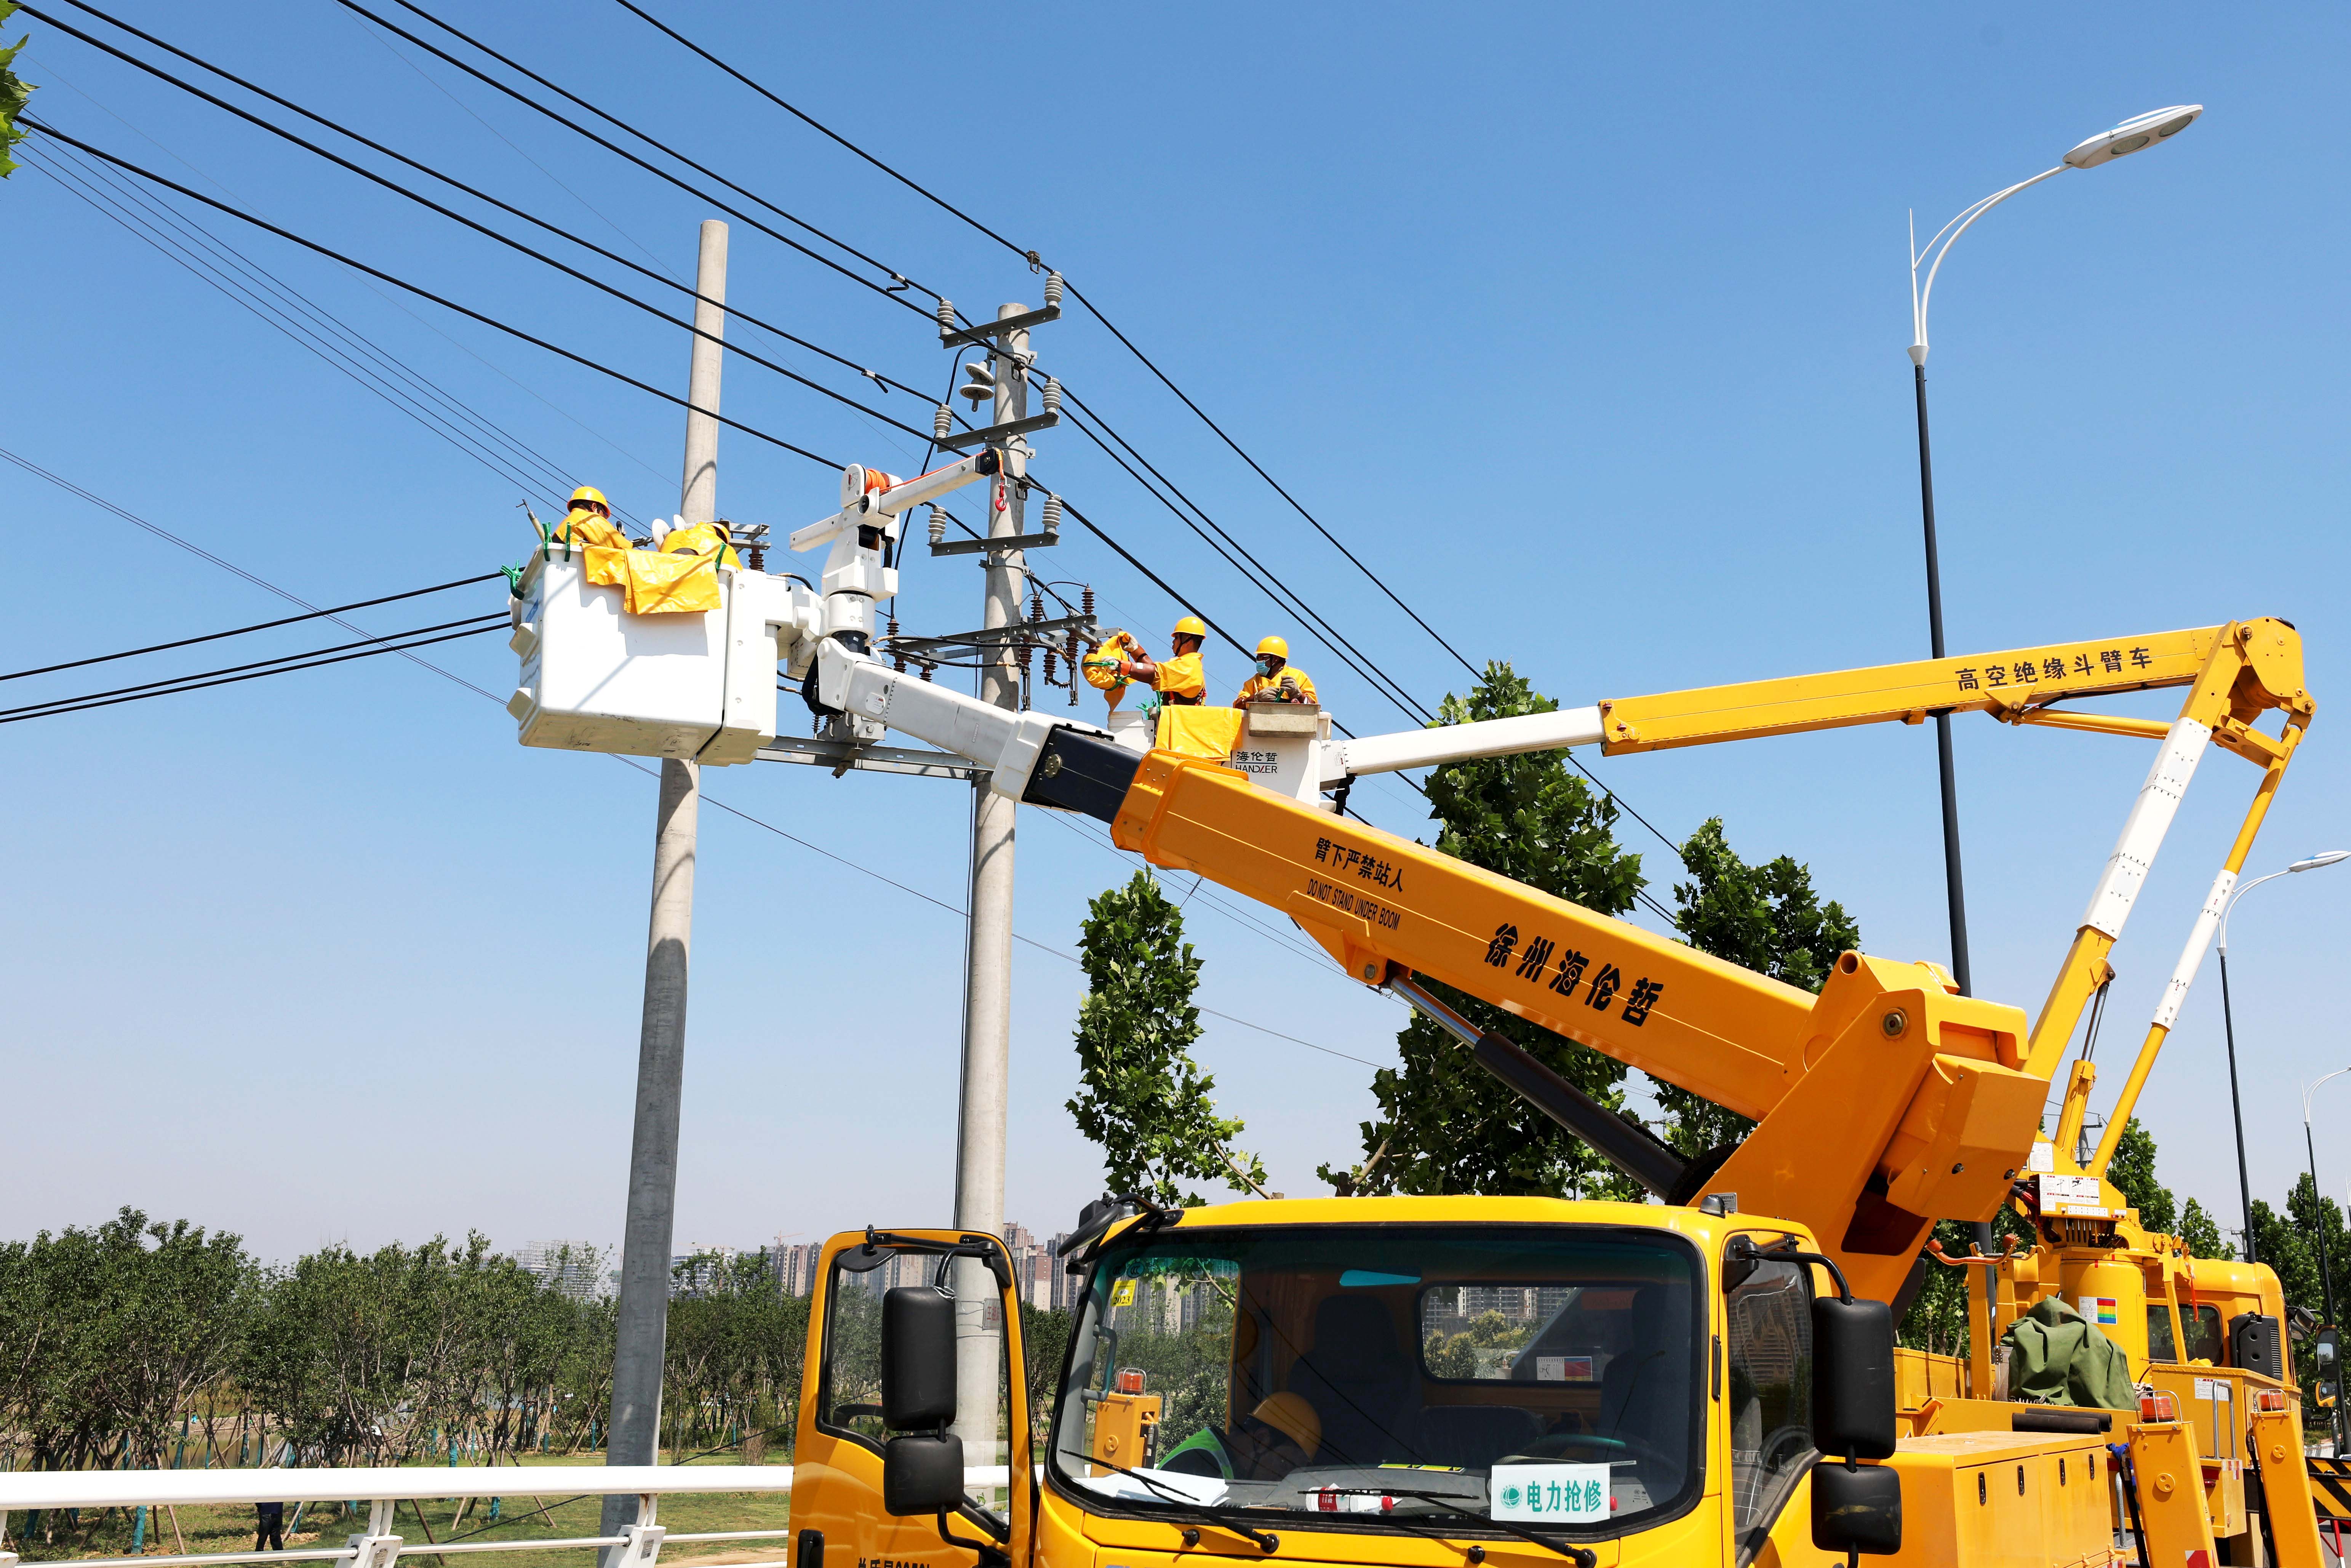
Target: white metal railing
(379, 1546)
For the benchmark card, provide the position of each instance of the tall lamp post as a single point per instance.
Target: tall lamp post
(2318, 1220)
(2229, 1029)
(2129, 137)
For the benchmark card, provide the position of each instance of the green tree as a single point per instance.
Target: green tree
(1143, 1101)
(2201, 1235)
(1044, 1344)
(1763, 918)
(108, 1334)
(1444, 1125)
(12, 94)
(736, 1346)
(2132, 1171)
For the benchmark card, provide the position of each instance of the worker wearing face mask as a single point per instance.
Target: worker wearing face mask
(1276, 681)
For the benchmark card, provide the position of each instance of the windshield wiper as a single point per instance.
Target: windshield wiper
(1265, 1541)
(1583, 1557)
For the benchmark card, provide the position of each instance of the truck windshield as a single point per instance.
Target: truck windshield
(1548, 1377)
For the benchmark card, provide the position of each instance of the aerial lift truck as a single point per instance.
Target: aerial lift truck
(1694, 1360)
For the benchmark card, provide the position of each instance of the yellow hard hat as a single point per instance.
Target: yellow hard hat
(1273, 645)
(1190, 626)
(1294, 1418)
(589, 496)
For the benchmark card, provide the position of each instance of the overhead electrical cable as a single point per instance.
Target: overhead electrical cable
(735, 312)
(1034, 260)
(192, 683)
(618, 150)
(257, 626)
(423, 293)
(1264, 576)
(306, 323)
(423, 201)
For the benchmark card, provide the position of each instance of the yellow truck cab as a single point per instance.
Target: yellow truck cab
(1416, 1381)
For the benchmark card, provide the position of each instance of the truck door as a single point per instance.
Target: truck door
(837, 1518)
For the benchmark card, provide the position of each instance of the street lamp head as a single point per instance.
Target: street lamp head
(2134, 135)
(2314, 862)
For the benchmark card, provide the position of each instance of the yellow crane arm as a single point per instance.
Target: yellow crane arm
(1881, 1101)
(1884, 1101)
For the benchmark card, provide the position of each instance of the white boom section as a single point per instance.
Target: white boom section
(1461, 742)
(1004, 742)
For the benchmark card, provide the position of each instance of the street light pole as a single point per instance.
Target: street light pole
(2318, 1218)
(2228, 1028)
(2127, 138)
(1955, 889)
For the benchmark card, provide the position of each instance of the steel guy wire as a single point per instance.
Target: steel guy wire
(735, 312)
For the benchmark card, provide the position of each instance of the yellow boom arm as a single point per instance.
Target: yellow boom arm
(1882, 1103)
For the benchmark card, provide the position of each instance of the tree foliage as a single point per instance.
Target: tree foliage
(1143, 1101)
(145, 1344)
(1444, 1125)
(108, 1334)
(2200, 1234)
(735, 1352)
(2132, 1171)
(1763, 918)
(14, 91)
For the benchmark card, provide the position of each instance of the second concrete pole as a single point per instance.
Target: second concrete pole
(643, 1330)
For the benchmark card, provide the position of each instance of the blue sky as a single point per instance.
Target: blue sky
(1582, 327)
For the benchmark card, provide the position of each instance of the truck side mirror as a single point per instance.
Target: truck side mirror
(922, 1472)
(921, 1467)
(1855, 1508)
(1853, 1378)
(918, 1358)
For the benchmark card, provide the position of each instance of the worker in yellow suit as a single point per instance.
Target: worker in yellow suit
(1277, 680)
(589, 521)
(1178, 679)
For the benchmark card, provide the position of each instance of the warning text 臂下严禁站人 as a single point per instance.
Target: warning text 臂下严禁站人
(1343, 861)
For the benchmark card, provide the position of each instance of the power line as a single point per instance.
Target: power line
(257, 626)
(1029, 255)
(169, 689)
(286, 309)
(423, 201)
(1266, 578)
(1320, 625)
(135, 520)
(421, 292)
(624, 152)
(734, 311)
(1035, 261)
(332, 255)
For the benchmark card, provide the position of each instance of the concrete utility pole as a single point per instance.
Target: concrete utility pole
(988, 970)
(634, 1430)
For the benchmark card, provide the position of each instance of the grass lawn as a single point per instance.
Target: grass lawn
(229, 1528)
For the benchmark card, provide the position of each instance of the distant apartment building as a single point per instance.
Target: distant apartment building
(1037, 1275)
(571, 1268)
